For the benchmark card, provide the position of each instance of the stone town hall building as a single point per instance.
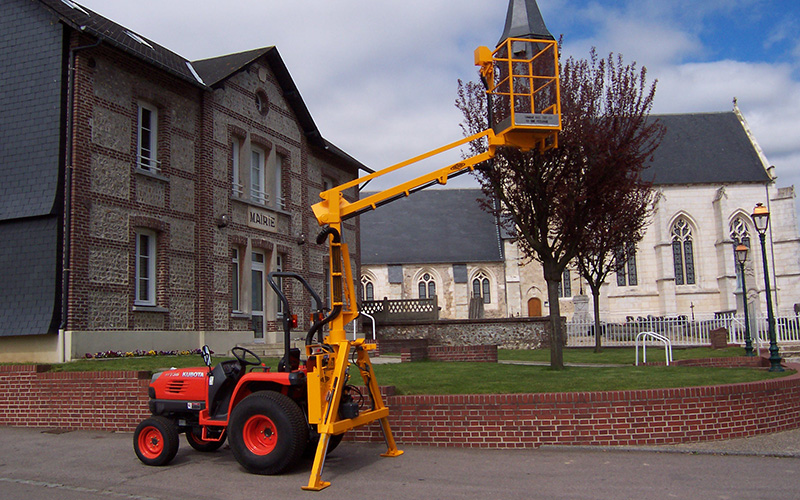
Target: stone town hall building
(144, 197)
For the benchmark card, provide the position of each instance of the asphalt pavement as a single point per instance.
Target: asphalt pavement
(92, 465)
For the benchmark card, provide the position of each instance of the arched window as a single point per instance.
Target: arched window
(682, 252)
(626, 265)
(427, 286)
(481, 288)
(367, 288)
(739, 234)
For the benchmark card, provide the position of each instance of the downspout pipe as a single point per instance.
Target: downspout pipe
(65, 258)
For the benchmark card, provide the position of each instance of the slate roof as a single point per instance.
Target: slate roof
(432, 226)
(705, 148)
(83, 19)
(28, 297)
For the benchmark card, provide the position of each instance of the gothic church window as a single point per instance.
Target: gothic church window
(367, 288)
(626, 265)
(481, 287)
(426, 286)
(683, 253)
(740, 235)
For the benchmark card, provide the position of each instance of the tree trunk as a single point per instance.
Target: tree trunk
(557, 336)
(598, 346)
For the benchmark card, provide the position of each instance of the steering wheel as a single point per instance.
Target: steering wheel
(242, 358)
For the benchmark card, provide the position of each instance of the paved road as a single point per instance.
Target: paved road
(87, 465)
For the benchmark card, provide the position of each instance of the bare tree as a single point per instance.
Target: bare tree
(554, 199)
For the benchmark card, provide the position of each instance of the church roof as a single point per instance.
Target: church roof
(705, 148)
(432, 226)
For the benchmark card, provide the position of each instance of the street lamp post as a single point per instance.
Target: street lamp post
(761, 220)
(741, 258)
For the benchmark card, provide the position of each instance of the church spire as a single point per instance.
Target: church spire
(524, 20)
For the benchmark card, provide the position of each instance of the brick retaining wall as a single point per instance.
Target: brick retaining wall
(450, 353)
(31, 397)
(642, 417)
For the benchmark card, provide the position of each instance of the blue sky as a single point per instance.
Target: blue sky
(380, 77)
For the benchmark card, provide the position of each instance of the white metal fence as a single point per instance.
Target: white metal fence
(683, 331)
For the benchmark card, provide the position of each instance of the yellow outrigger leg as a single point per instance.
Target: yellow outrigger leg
(329, 365)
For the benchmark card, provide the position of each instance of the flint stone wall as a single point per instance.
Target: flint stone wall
(505, 333)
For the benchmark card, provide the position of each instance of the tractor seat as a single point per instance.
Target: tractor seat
(226, 375)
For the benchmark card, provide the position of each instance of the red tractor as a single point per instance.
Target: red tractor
(270, 418)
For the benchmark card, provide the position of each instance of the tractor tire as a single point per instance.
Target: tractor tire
(199, 444)
(267, 433)
(155, 441)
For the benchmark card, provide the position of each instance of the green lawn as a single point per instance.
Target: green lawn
(430, 377)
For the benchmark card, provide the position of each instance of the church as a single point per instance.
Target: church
(710, 173)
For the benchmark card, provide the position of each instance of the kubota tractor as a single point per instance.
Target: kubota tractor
(270, 418)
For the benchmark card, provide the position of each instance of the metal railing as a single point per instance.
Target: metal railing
(644, 337)
(681, 330)
(402, 309)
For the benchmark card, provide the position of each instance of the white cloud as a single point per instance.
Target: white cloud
(380, 77)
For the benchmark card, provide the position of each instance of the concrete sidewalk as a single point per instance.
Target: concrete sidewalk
(784, 444)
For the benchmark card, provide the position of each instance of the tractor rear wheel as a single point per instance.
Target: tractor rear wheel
(200, 444)
(267, 432)
(155, 441)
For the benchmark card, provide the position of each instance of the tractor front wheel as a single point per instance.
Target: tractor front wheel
(155, 441)
(267, 432)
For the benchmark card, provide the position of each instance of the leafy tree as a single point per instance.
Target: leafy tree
(611, 241)
(555, 199)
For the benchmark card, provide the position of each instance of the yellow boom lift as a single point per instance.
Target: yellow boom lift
(522, 84)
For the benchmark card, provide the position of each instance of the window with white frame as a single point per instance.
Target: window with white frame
(426, 286)
(481, 287)
(683, 252)
(236, 182)
(280, 161)
(147, 138)
(236, 270)
(257, 189)
(625, 257)
(145, 267)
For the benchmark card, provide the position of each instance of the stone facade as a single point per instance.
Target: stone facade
(215, 229)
